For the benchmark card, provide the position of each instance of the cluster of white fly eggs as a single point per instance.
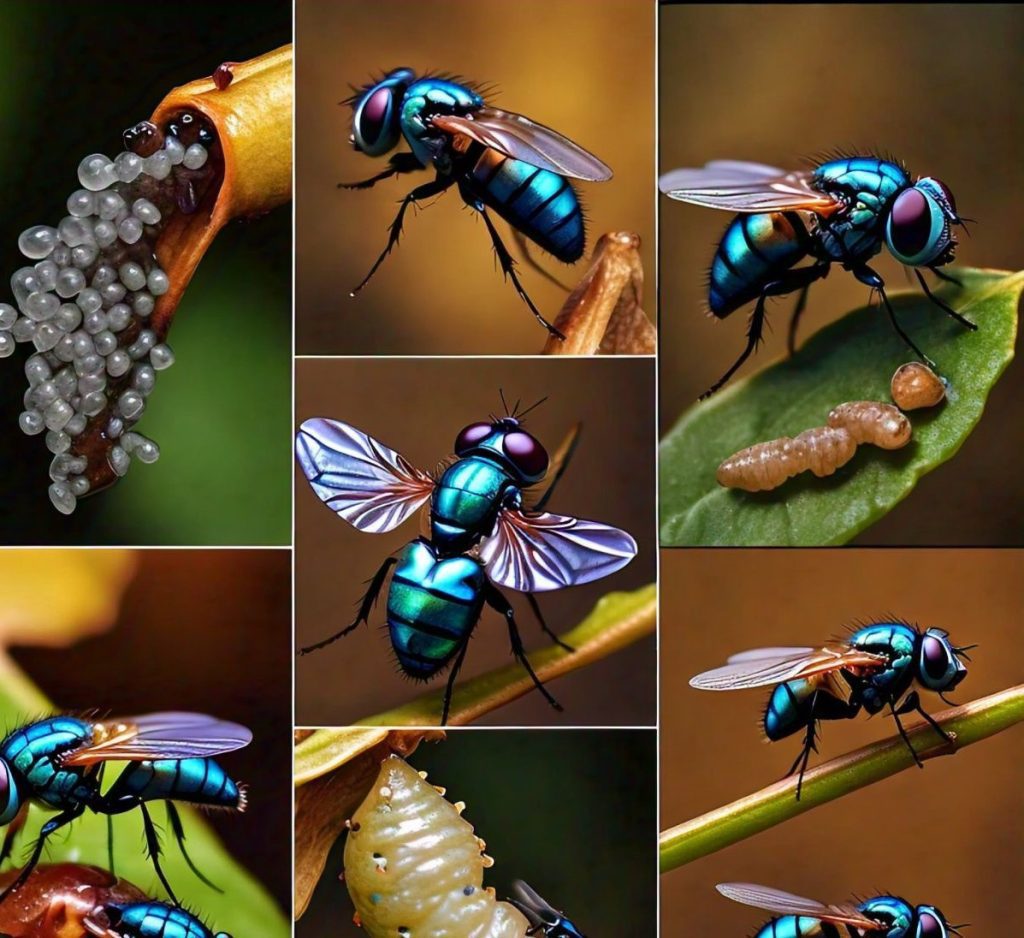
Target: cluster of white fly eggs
(85, 304)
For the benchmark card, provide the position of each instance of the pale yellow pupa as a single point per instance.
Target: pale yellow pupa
(415, 868)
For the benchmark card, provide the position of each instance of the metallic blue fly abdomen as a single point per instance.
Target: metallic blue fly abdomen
(790, 708)
(32, 752)
(793, 926)
(753, 251)
(466, 502)
(433, 605)
(157, 920)
(197, 781)
(539, 203)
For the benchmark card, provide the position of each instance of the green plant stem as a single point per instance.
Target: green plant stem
(741, 819)
(618, 620)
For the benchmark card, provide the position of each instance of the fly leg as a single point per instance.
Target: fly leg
(794, 320)
(398, 164)
(535, 606)
(154, 850)
(52, 825)
(800, 278)
(365, 607)
(13, 829)
(450, 686)
(903, 734)
(868, 277)
(912, 703)
(945, 307)
(944, 276)
(428, 189)
(178, 829)
(523, 243)
(810, 745)
(498, 602)
(505, 260)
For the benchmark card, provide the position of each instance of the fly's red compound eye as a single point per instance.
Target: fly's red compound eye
(935, 658)
(928, 926)
(375, 124)
(947, 193)
(526, 453)
(472, 436)
(911, 223)
(373, 115)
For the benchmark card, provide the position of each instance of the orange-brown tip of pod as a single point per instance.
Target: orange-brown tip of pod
(914, 385)
(252, 118)
(874, 422)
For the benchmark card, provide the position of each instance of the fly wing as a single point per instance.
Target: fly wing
(784, 903)
(537, 552)
(766, 666)
(533, 905)
(746, 187)
(526, 140)
(371, 486)
(160, 736)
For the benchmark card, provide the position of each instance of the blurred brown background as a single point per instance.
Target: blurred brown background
(205, 630)
(935, 84)
(949, 834)
(585, 70)
(418, 407)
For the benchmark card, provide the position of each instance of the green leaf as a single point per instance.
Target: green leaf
(851, 359)
(244, 908)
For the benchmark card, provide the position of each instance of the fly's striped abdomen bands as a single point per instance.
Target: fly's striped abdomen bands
(541, 204)
(754, 250)
(793, 926)
(157, 920)
(197, 781)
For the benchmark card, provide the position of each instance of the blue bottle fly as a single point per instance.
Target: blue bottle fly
(487, 529)
(58, 763)
(842, 211)
(885, 916)
(155, 920)
(543, 918)
(497, 160)
(875, 669)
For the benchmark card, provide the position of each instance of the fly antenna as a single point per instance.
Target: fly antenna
(532, 407)
(504, 403)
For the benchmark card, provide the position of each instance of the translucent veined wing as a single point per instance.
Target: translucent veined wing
(765, 666)
(526, 140)
(160, 736)
(784, 903)
(536, 496)
(537, 552)
(534, 906)
(371, 486)
(746, 187)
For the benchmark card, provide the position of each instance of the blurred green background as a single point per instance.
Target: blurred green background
(584, 69)
(73, 80)
(187, 619)
(949, 834)
(935, 84)
(572, 813)
(418, 407)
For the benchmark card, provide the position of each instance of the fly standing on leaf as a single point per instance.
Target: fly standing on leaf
(873, 670)
(487, 529)
(58, 763)
(840, 212)
(498, 160)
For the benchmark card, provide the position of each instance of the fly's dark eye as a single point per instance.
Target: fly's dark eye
(946, 192)
(911, 223)
(935, 657)
(373, 115)
(928, 926)
(526, 453)
(472, 435)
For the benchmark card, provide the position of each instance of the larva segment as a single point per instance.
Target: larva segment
(872, 422)
(414, 866)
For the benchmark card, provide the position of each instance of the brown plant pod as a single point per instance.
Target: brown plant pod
(604, 315)
(57, 899)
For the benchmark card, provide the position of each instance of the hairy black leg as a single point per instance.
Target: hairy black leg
(425, 191)
(178, 829)
(506, 262)
(794, 320)
(365, 607)
(809, 746)
(755, 327)
(12, 832)
(904, 736)
(450, 686)
(912, 703)
(944, 276)
(153, 848)
(535, 606)
(868, 277)
(110, 843)
(523, 243)
(398, 164)
(52, 825)
(497, 601)
(945, 307)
